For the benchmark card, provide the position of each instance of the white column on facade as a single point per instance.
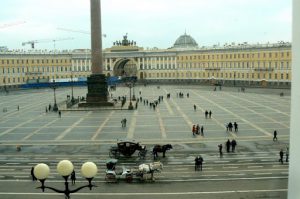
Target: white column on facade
(147, 63)
(90, 65)
(110, 64)
(143, 63)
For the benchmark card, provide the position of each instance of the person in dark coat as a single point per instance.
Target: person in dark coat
(198, 163)
(206, 113)
(32, 174)
(275, 135)
(233, 145)
(230, 126)
(281, 156)
(197, 129)
(220, 146)
(195, 107)
(202, 130)
(209, 114)
(235, 127)
(73, 177)
(228, 144)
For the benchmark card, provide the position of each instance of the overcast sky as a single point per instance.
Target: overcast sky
(151, 23)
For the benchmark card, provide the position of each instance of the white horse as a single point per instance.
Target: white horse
(150, 169)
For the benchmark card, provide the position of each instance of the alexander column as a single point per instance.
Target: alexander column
(97, 86)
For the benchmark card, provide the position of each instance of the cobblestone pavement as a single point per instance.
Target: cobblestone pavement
(252, 171)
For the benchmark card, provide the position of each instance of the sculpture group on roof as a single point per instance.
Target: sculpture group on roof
(124, 42)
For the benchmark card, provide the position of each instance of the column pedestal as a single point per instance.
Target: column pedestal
(97, 92)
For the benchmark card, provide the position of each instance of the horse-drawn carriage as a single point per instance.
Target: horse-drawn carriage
(144, 172)
(127, 148)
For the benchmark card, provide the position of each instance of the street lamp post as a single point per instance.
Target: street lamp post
(234, 79)
(54, 86)
(72, 99)
(133, 95)
(130, 107)
(65, 168)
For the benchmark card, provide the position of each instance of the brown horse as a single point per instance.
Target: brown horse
(161, 149)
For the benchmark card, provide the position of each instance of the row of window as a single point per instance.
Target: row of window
(33, 61)
(24, 79)
(237, 56)
(43, 69)
(276, 65)
(220, 75)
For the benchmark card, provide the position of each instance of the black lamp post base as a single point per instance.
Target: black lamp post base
(133, 98)
(130, 107)
(55, 107)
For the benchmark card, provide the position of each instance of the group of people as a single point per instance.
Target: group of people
(231, 144)
(229, 126)
(153, 104)
(181, 95)
(198, 163)
(207, 114)
(197, 130)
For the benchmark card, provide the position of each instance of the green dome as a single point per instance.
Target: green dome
(185, 41)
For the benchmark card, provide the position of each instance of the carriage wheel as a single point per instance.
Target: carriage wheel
(129, 178)
(114, 154)
(142, 154)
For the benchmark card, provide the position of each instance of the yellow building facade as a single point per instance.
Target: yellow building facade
(261, 65)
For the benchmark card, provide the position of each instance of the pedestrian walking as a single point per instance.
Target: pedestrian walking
(197, 129)
(32, 174)
(202, 131)
(230, 126)
(235, 127)
(195, 107)
(73, 177)
(194, 129)
(228, 144)
(287, 154)
(197, 163)
(46, 109)
(281, 156)
(18, 107)
(123, 123)
(209, 114)
(125, 120)
(226, 126)
(233, 145)
(59, 114)
(206, 113)
(275, 135)
(220, 146)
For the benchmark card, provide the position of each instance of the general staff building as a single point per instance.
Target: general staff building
(259, 65)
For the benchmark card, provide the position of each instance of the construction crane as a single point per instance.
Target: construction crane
(33, 42)
(78, 31)
(12, 24)
(72, 30)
